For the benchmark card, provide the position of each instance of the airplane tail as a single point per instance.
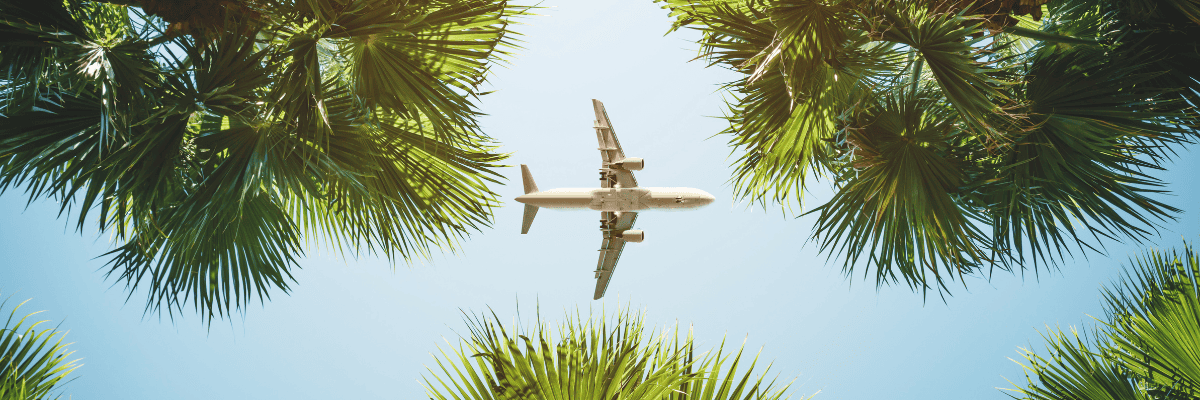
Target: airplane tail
(530, 210)
(527, 179)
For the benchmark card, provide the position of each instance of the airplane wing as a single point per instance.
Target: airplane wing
(610, 152)
(611, 225)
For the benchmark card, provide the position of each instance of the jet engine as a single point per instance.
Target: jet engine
(631, 164)
(635, 236)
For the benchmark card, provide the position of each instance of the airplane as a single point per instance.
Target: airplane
(619, 199)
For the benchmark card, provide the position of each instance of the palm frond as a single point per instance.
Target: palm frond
(420, 61)
(33, 362)
(899, 203)
(1153, 316)
(590, 358)
(1078, 171)
(1146, 347)
(967, 79)
(1076, 370)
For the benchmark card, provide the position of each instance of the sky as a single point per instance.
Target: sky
(368, 327)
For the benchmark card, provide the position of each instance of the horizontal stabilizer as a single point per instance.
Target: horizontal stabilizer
(530, 212)
(527, 180)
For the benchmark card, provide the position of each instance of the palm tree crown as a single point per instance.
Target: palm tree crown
(215, 142)
(960, 136)
(592, 358)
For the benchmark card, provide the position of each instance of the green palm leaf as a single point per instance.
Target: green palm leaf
(1147, 347)
(590, 358)
(967, 80)
(33, 363)
(899, 203)
(1155, 320)
(1076, 372)
(1079, 165)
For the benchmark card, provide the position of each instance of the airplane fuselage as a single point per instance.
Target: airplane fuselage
(619, 199)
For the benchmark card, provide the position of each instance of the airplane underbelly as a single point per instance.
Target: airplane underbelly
(617, 200)
(559, 200)
(674, 199)
(616, 206)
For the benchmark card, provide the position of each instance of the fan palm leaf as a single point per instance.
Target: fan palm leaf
(591, 358)
(1146, 347)
(1075, 371)
(1154, 320)
(33, 362)
(1079, 165)
(899, 202)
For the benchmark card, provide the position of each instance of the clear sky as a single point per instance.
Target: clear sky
(366, 328)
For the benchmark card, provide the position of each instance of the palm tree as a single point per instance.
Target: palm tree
(215, 138)
(33, 363)
(1146, 348)
(592, 358)
(960, 136)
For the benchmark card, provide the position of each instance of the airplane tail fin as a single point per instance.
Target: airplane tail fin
(527, 179)
(530, 212)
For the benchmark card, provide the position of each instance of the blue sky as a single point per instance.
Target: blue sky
(366, 328)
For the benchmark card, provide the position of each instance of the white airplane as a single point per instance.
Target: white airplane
(619, 199)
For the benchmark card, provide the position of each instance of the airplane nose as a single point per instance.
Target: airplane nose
(707, 199)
